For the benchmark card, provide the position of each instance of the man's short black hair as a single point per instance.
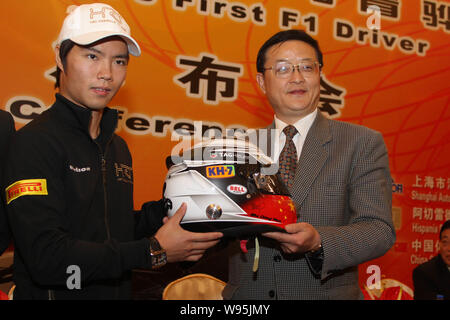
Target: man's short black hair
(284, 36)
(64, 49)
(445, 226)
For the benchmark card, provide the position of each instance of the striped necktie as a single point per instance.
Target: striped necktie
(288, 157)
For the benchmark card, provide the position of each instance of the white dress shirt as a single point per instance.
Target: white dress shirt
(302, 127)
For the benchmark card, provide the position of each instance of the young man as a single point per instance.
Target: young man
(6, 130)
(338, 176)
(432, 278)
(70, 179)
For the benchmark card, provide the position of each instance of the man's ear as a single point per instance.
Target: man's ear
(261, 83)
(59, 63)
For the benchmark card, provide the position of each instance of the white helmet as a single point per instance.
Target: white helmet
(229, 186)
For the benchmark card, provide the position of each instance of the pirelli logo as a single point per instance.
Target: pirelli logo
(27, 187)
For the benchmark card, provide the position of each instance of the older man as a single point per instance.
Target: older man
(338, 175)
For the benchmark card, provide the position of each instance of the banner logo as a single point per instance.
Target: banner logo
(26, 187)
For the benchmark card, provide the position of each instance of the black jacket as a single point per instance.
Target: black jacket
(431, 279)
(78, 210)
(6, 129)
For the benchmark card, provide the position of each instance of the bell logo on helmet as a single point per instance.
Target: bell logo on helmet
(236, 189)
(223, 171)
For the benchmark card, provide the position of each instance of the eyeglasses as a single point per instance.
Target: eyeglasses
(284, 69)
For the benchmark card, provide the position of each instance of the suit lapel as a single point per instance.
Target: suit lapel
(312, 158)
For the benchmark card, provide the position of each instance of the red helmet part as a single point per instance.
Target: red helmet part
(274, 208)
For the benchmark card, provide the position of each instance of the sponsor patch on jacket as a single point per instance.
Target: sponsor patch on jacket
(79, 170)
(223, 171)
(123, 172)
(29, 187)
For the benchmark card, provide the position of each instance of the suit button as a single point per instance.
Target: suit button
(271, 293)
(277, 258)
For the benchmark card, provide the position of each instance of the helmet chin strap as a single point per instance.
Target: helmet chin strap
(256, 258)
(243, 244)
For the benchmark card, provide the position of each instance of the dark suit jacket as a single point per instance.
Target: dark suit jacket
(343, 188)
(430, 279)
(6, 129)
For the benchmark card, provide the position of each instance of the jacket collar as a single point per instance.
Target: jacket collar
(80, 117)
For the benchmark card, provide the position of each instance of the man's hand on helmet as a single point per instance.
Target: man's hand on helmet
(180, 244)
(301, 237)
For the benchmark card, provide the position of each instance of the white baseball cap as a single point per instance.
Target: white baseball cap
(88, 23)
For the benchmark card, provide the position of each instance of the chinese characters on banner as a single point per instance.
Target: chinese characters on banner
(203, 80)
(388, 8)
(431, 196)
(436, 15)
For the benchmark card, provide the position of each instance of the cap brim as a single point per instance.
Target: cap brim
(86, 39)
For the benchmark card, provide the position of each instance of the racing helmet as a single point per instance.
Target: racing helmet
(230, 186)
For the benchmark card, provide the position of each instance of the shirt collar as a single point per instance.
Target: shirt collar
(301, 125)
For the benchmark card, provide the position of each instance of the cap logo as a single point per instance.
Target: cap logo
(100, 16)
